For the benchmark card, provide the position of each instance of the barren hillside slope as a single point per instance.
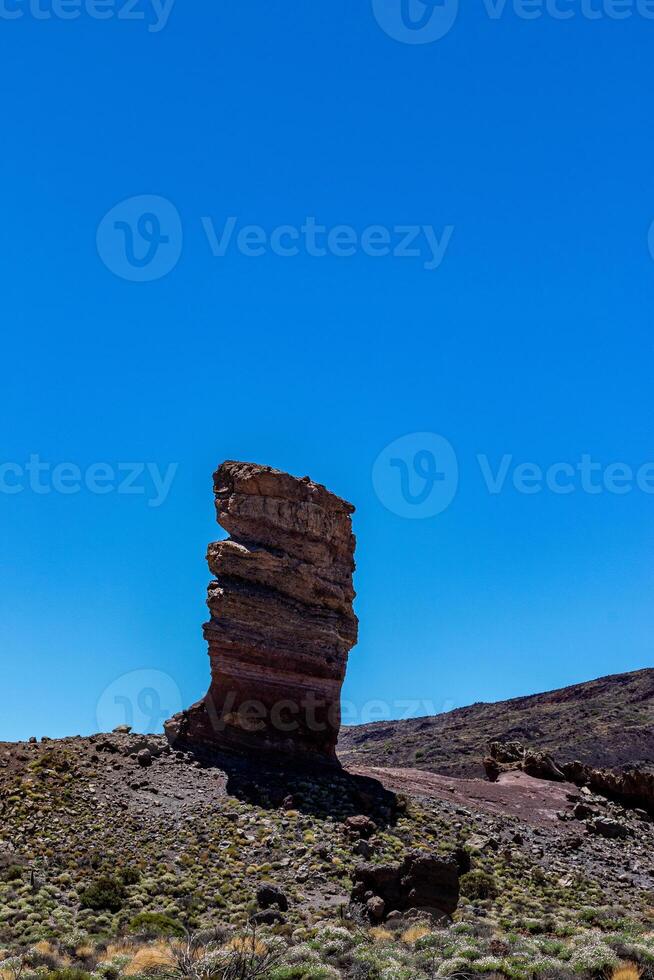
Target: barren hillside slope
(605, 722)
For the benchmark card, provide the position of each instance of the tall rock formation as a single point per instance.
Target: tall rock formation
(281, 623)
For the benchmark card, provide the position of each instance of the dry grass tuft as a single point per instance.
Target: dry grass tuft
(149, 959)
(43, 948)
(84, 952)
(118, 949)
(249, 945)
(626, 971)
(414, 933)
(380, 935)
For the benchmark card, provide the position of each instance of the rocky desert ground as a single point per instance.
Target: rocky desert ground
(122, 856)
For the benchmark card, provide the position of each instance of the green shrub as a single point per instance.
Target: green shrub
(106, 893)
(68, 973)
(13, 872)
(130, 876)
(156, 924)
(478, 885)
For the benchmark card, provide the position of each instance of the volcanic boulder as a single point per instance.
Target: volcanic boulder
(419, 881)
(509, 756)
(631, 786)
(282, 623)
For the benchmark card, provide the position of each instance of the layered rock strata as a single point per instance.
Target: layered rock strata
(282, 622)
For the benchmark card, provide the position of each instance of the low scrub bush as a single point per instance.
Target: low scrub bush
(107, 893)
(156, 924)
(478, 885)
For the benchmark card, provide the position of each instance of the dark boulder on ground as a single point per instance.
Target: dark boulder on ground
(268, 917)
(419, 881)
(360, 826)
(509, 756)
(606, 827)
(268, 895)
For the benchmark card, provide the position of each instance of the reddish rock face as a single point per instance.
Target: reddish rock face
(282, 622)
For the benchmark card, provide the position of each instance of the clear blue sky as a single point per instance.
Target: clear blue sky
(533, 338)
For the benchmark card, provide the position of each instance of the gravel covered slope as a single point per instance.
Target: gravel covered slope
(605, 722)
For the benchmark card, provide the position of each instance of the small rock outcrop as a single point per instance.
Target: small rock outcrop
(282, 622)
(631, 786)
(507, 756)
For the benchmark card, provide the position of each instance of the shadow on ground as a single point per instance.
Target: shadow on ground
(318, 789)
